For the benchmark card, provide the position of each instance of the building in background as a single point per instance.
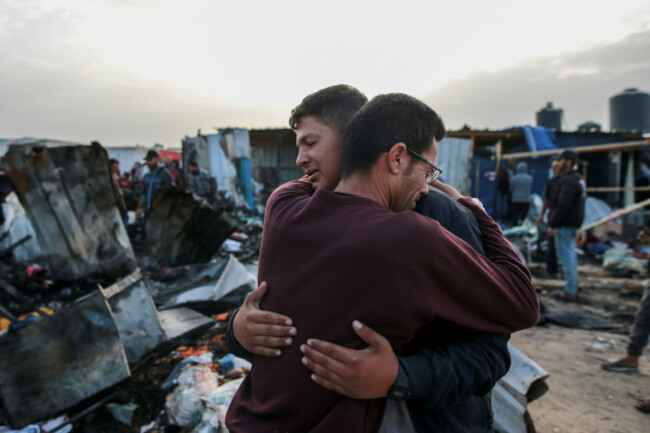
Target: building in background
(550, 117)
(629, 111)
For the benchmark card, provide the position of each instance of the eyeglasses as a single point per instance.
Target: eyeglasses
(435, 173)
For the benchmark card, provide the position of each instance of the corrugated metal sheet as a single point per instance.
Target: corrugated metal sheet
(126, 156)
(66, 192)
(220, 166)
(524, 382)
(287, 163)
(453, 156)
(278, 156)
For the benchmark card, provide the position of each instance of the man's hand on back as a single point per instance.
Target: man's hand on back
(447, 189)
(261, 332)
(364, 374)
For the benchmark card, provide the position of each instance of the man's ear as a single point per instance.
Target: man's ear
(396, 158)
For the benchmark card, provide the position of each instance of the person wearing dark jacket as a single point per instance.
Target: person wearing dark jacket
(449, 379)
(549, 191)
(567, 210)
(520, 186)
(335, 233)
(450, 370)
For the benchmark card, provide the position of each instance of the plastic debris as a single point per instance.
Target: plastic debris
(28, 429)
(213, 421)
(599, 343)
(231, 246)
(231, 362)
(198, 401)
(185, 406)
(43, 427)
(122, 412)
(618, 261)
(172, 379)
(224, 394)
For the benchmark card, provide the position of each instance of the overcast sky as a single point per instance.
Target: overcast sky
(151, 71)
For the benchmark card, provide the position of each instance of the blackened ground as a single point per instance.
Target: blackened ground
(144, 386)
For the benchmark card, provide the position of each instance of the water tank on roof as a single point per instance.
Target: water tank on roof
(630, 111)
(589, 126)
(550, 117)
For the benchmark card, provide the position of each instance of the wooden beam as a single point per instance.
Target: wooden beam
(498, 149)
(468, 183)
(617, 188)
(616, 215)
(582, 149)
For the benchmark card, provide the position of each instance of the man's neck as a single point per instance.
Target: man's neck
(367, 186)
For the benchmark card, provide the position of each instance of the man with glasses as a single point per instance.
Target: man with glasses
(450, 370)
(434, 172)
(395, 270)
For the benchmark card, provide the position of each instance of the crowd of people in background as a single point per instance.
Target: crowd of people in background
(135, 189)
(514, 186)
(562, 214)
(564, 198)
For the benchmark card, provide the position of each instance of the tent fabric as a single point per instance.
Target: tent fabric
(539, 138)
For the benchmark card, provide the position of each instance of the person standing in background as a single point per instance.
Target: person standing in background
(157, 177)
(564, 220)
(201, 183)
(114, 166)
(549, 190)
(175, 169)
(638, 335)
(520, 186)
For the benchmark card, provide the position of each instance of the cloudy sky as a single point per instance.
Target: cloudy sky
(151, 71)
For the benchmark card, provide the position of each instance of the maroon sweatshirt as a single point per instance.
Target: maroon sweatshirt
(329, 259)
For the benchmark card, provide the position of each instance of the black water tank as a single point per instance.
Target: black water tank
(589, 126)
(630, 111)
(550, 117)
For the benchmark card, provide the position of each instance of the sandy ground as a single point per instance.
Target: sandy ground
(583, 398)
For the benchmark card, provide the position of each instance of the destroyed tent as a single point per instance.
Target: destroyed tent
(66, 192)
(60, 361)
(88, 347)
(524, 383)
(227, 283)
(17, 227)
(84, 349)
(601, 155)
(226, 157)
(136, 316)
(183, 229)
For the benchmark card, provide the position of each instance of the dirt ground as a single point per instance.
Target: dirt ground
(583, 398)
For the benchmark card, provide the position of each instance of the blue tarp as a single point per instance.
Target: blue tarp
(539, 138)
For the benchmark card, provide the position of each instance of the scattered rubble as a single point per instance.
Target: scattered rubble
(63, 359)
(66, 192)
(183, 229)
(87, 331)
(125, 333)
(524, 383)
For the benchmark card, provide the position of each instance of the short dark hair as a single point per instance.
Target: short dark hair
(193, 163)
(570, 155)
(334, 106)
(112, 161)
(384, 121)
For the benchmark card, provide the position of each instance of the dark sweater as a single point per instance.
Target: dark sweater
(332, 259)
(452, 216)
(549, 189)
(450, 369)
(568, 202)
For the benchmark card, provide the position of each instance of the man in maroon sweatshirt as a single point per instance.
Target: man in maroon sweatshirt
(361, 246)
